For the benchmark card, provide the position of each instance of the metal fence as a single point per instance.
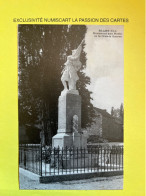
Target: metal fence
(59, 161)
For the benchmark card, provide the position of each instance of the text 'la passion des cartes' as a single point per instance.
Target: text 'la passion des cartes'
(68, 20)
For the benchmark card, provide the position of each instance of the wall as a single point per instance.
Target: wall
(112, 130)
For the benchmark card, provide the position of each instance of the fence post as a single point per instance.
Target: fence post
(24, 157)
(84, 159)
(122, 157)
(73, 158)
(58, 151)
(62, 159)
(41, 159)
(77, 159)
(91, 158)
(66, 159)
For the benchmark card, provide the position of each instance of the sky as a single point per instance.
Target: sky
(105, 65)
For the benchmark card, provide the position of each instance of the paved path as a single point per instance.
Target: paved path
(102, 183)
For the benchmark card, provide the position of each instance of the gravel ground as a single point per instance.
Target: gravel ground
(102, 183)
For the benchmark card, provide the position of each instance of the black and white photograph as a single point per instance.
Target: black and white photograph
(71, 107)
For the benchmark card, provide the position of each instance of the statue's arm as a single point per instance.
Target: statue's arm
(77, 53)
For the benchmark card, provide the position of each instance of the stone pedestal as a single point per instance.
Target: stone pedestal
(62, 140)
(69, 104)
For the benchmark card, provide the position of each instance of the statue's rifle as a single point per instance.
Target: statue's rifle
(79, 47)
(81, 43)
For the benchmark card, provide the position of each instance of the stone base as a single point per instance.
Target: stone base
(78, 176)
(69, 106)
(62, 140)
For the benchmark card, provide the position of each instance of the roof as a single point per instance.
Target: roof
(103, 112)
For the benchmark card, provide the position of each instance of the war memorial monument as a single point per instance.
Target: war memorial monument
(69, 106)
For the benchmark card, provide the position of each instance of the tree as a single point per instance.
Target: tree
(118, 112)
(112, 111)
(42, 53)
(121, 112)
(28, 77)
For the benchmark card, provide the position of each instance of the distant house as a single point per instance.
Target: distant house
(106, 127)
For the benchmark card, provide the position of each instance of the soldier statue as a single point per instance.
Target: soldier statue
(72, 65)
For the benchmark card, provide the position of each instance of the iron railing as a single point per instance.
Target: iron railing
(60, 161)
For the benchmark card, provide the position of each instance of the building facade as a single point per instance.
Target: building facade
(106, 127)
